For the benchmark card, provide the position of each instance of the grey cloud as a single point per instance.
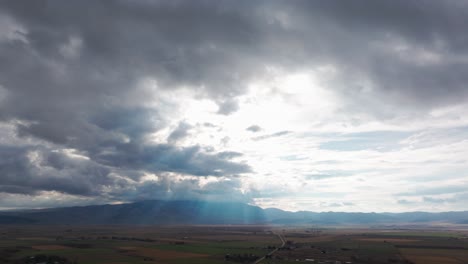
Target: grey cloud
(225, 140)
(220, 47)
(168, 158)
(131, 121)
(429, 199)
(28, 170)
(180, 132)
(410, 25)
(244, 37)
(254, 128)
(32, 170)
(329, 174)
(87, 97)
(208, 124)
(229, 154)
(452, 199)
(228, 107)
(15, 201)
(273, 135)
(16, 189)
(184, 189)
(455, 198)
(405, 202)
(194, 50)
(435, 190)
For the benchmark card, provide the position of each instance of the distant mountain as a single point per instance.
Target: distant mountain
(330, 218)
(200, 212)
(144, 213)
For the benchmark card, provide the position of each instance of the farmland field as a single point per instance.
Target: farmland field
(230, 244)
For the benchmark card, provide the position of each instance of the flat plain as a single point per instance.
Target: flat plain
(231, 244)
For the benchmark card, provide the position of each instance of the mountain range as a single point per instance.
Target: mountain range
(158, 212)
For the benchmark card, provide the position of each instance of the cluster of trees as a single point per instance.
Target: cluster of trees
(6, 254)
(127, 238)
(47, 259)
(242, 258)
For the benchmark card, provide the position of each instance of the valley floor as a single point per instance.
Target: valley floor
(230, 244)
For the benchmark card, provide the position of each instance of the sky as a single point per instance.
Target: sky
(351, 106)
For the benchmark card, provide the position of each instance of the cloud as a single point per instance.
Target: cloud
(379, 141)
(90, 92)
(32, 170)
(394, 47)
(219, 48)
(229, 154)
(340, 204)
(405, 202)
(254, 128)
(328, 174)
(429, 199)
(90, 89)
(166, 187)
(228, 107)
(435, 190)
(273, 135)
(180, 132)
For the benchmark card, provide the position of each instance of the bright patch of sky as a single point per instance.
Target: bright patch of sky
(302, 158)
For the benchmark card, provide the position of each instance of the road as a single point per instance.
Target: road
(273, 251)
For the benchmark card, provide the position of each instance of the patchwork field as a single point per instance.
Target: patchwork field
(229, 244)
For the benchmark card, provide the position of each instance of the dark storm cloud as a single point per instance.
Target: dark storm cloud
(134, 122)
(409, 52)
(185, 189)
(71, 74)
(218, 47)
(72, 80)
(166, 157)
(30, 170)
(178, 42)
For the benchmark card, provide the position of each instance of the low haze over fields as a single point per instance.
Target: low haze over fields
(300, 105)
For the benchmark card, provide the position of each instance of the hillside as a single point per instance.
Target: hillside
(156, 212)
